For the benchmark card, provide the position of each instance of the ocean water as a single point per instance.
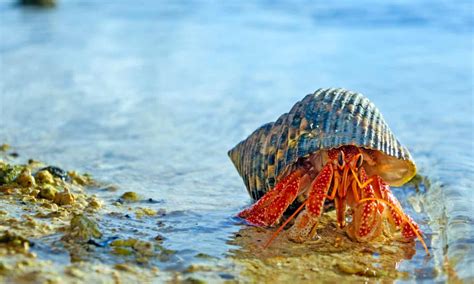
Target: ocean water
(150, 95)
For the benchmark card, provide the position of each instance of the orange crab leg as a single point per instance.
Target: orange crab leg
(340, 202)
(407, 219)
(383, 191)
(306, 222)
(397, 217)
(268, 197)
(367, 219)
(273, 237)
(343, 183)
(355, 191)
(360, 184)
(343, 189)
(335, 187)
(268, 209)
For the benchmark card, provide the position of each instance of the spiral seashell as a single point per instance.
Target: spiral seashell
(327, 119)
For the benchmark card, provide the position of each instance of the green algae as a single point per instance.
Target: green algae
(9, 173)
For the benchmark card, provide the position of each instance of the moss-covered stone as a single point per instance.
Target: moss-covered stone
(124, 243)
(9, 173)
(79, 179)
(64, 198)
(48, 192)
(4, 147)
(94, 203)
(130, 196)
(44, 177)
(25, 179)
(82, 228)
(122, 251)
(141, 212)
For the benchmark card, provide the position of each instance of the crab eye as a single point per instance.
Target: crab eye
(340, 159)
(360, 160)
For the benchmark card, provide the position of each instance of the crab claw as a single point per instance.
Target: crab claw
(305, 224)
(268, 209)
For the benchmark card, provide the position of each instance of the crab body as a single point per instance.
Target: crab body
(334, 144)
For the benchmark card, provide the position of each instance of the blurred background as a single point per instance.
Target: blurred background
(150, 95)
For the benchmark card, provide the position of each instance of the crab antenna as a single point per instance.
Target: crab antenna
(400, 212)
(284, 224)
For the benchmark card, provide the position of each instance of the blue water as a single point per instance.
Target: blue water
(151, 95)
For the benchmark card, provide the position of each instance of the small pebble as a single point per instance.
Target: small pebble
(124, 267)
(48, 192)
(14, 155)
(25, 179)
(94, 203)
(130, 196)
(64, 198)
(44, 177)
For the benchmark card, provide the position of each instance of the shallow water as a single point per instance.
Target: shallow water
(150, 96)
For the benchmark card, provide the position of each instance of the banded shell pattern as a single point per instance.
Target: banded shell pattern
(327, 119)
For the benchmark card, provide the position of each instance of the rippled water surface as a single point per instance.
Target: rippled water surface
(151, 95)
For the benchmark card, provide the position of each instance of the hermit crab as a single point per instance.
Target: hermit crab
(332, 145)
